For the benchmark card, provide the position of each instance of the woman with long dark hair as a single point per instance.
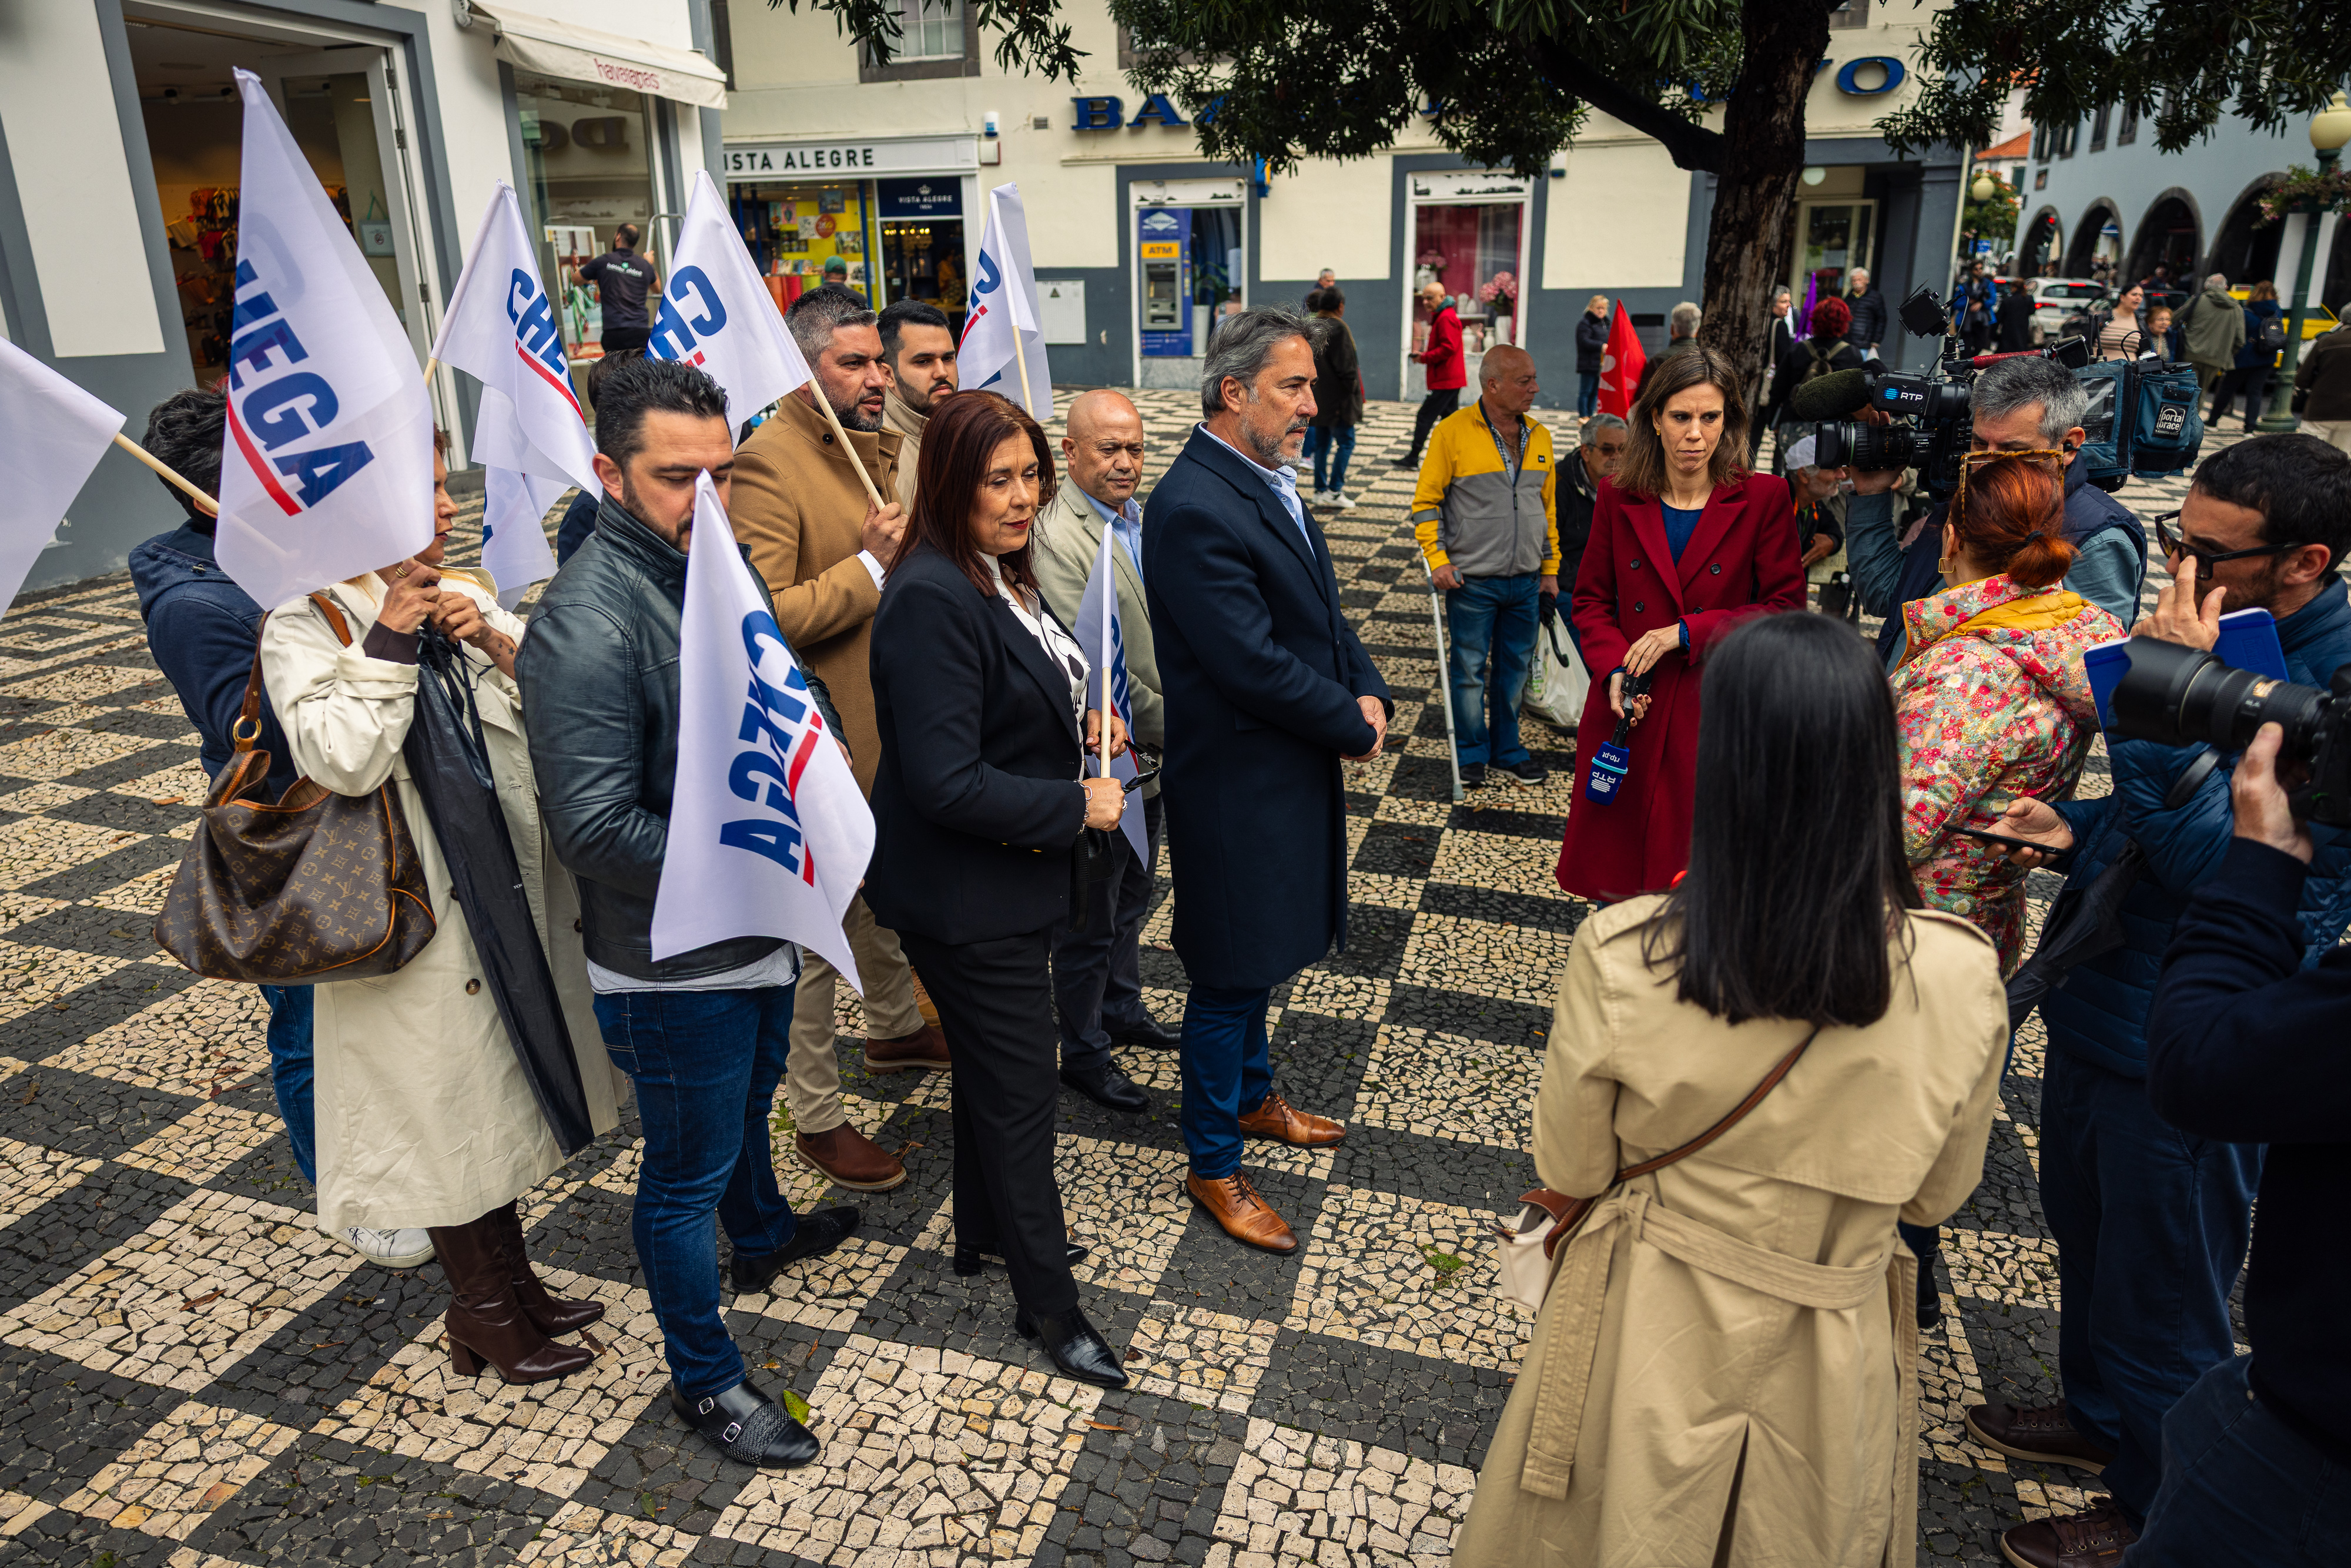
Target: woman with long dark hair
(1685, 545)
(1724, 1369)
(982, 699)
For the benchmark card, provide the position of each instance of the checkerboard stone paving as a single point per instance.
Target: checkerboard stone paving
(192, 1375)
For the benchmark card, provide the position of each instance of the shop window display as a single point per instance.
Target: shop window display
(590, 170)
(792, 231)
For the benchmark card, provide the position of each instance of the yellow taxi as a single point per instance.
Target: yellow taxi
(2316, 322)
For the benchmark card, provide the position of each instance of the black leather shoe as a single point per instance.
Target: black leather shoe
(748, 1428)
(1148, 1032)
(972, 1259)
(816, 1235)
(1074, 1346)
(1108, 1087)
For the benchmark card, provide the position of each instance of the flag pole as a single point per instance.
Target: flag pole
(1019, 350)
(171, 476)
(841, 435)
(1110, 601)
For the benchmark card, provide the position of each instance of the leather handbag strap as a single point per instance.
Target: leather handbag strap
(1754, 1098)
(247, 730)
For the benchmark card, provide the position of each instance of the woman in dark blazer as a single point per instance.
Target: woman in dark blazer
(1686, 544)
(978, 803)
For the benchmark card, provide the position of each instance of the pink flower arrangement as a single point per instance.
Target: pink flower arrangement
(1503, 288)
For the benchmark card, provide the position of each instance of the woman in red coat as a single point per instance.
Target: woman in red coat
(1686, 544)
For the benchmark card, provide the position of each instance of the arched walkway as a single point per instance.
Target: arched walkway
(2097, 237)
(2241, 248)
(2169, 236)
(2040, 245)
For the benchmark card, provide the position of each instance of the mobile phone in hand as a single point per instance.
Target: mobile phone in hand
(2007, 841)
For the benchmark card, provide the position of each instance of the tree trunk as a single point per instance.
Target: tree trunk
(1750, 240)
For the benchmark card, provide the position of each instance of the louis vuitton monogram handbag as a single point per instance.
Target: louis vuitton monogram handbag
(317, 886)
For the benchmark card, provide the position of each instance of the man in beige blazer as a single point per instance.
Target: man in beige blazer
(1097, 978)
(920, 349)
(820, 546)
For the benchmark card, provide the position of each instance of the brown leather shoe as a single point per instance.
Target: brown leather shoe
(1234, 1204)
(925, 1049)
(2041, 1433)
(1276, 1119)
(2092, 1540)
(851, 1159)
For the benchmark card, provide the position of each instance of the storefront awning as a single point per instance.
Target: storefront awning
(564, 49)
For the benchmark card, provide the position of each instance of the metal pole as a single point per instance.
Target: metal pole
(2280, 415)
(1443, 680)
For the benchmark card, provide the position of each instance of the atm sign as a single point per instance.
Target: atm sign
(1162, 250)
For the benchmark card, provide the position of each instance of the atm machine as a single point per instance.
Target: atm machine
(1163, 252)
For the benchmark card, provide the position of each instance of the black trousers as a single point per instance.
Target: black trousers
(2250, 382)
(619, 340)
(996, 1006)
(1098, 967)
(1433, 407)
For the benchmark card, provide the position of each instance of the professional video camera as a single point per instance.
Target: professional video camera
(2182, 695)
(1931, 430)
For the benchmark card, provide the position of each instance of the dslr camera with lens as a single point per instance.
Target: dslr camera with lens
(2184, 696)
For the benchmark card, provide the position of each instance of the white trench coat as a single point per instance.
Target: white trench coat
(423, 1116)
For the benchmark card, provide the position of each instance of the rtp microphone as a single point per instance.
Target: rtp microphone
(1837, 395)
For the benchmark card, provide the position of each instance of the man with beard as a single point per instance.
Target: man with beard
(822, 547)
(921, 354)
(1266, 688)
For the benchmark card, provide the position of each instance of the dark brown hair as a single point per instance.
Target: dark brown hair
(2010, 515)
(960, 438)
(1642, 470)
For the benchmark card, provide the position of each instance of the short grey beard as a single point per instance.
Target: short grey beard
(1268, 456)
(855, 418)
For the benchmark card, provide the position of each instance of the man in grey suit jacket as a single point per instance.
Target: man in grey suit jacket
(1097, 974)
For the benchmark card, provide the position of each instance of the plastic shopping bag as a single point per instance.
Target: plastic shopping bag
(1559, 683)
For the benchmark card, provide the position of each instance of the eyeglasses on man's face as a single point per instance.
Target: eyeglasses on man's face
(2174, 544)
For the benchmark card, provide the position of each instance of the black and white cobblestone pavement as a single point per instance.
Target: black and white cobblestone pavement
(192, 1375)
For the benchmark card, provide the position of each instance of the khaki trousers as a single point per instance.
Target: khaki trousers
(2334, 431)
(812, 1077)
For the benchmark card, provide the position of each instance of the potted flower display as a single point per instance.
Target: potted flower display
(1501, 292)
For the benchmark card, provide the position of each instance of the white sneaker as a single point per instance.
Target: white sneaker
(407, 1249)
(1320, 498)
(1343, 501)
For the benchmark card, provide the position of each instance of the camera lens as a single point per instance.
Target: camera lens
(1840, 443)
(2184, 696)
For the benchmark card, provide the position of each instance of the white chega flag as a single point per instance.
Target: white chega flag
(1103, 632)
(57, 433)
(1004, 306)
(502, 330)
(716, 313)
(769, 834)
(326, 468)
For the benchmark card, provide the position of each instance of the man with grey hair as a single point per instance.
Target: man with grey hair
(1597, 450)
(822, 546)
(2214, 325)
(1266, 688)
(1682, 338)
(1868, 307)
(2023, 405)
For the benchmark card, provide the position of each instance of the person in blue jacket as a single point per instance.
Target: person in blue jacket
(2151, 1222)
(2248, 378)
(201, 630)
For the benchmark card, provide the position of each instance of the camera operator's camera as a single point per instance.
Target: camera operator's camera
(2184, 696)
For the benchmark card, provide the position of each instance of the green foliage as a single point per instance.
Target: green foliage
(2180, 67)
(2306, 190)
(1994, 217)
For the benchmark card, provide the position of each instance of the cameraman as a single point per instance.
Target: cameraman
(2023, 405)
(2235, 1051)
(2150, 1223)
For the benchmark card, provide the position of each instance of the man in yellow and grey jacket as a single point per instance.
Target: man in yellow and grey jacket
(1485, 512)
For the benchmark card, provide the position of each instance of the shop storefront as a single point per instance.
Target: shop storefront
(893, 213)
(1191, 260)
(1836, 225)
(1468, 232)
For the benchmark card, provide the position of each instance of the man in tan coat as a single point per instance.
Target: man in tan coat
(822, 546)
(920, 349)
(1097, 976)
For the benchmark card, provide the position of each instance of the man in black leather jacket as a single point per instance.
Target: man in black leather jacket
(704, 1034)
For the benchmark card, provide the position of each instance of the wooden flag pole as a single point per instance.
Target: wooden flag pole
(1019, 350)
(171, 476)
(1109, 605)
(832, 418)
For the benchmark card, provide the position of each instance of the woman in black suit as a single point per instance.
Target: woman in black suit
(979, 804)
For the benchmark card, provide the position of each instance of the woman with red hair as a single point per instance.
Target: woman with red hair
(1992, 699)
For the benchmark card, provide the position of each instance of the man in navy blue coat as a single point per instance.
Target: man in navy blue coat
(1266, 688)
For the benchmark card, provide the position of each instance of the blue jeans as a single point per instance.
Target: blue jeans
(2239, 1486)
(1335, 444)
(1496, 614)
(1587, 394)
(1227, 1071)
(290, 1072)
(2151, 1227)
(706, 1066)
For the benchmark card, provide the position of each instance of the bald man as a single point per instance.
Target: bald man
(1097, 975)
(1485, 512)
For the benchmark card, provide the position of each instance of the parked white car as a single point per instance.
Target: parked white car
(2057, 300)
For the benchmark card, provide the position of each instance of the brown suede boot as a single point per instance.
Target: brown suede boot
(550, 1314)
(851, 1159)
(485, 1322)
(924, 1050)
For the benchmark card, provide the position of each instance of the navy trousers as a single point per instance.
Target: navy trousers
(2151, 1228)
(1227, 1072)
(2240, 1486)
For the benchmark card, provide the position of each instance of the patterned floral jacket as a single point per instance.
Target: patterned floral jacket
(1993, 703)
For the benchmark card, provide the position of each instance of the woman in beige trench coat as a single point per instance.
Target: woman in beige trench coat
(1725, 1367)
(424, 1117)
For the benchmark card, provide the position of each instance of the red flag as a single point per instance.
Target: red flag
(1621, 366)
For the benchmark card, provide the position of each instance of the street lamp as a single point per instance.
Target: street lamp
(2330, 128)
(1986, 186)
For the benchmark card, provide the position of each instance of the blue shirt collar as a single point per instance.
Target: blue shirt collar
(1282, 481)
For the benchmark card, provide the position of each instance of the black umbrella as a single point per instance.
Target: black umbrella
(2083, 923)
(449, 762)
